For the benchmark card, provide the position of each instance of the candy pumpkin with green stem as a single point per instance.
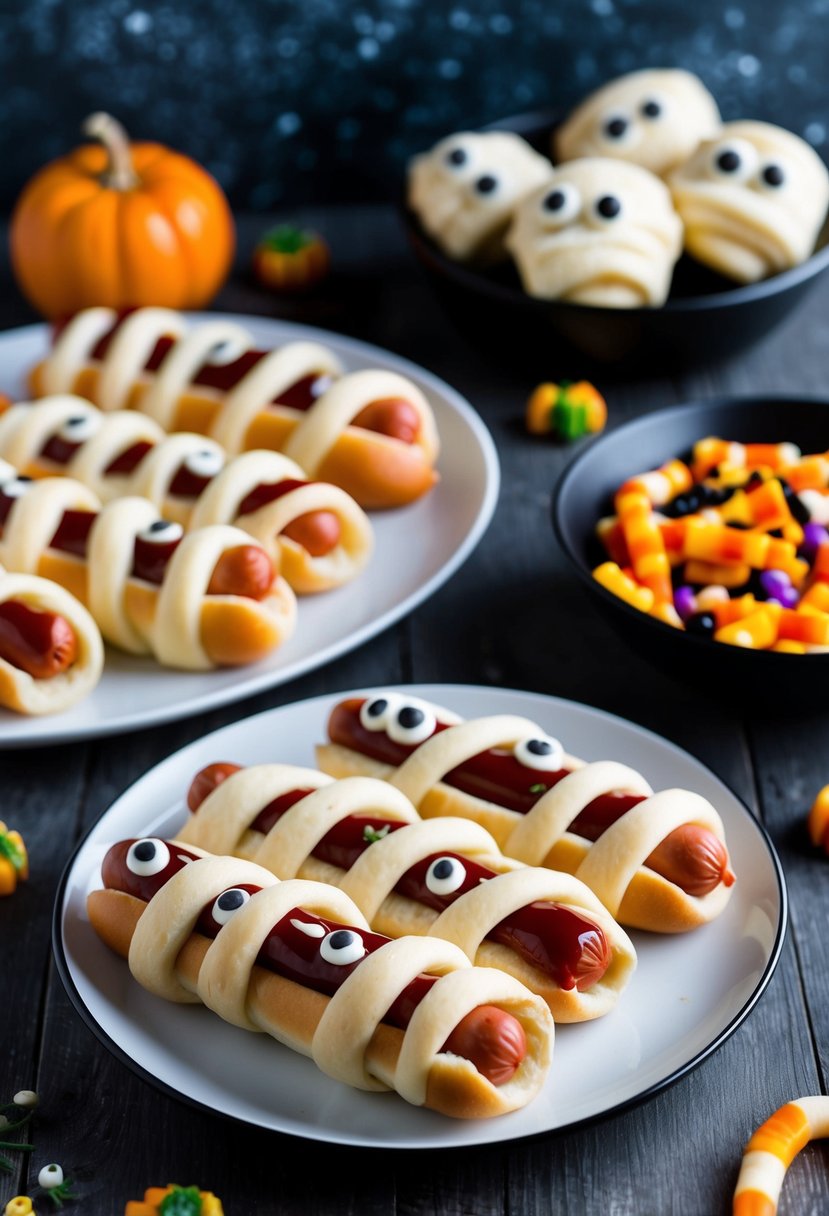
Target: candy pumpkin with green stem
(291, 259)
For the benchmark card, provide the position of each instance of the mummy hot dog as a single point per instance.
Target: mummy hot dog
(752, 200)
(208, 599)
(315, 533)
(600, 232)
(296, 960)
(656, 861)
(655, 119)
(372, 433)
(445, 878)
(465, 190)
(51, 653)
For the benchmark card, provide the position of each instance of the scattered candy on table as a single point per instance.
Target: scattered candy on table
(771, 1150)
(21, 1205)
(175, 1200)
(818, 821)
(290, 259)
(732, 545)
(565, 410)
(14, 860)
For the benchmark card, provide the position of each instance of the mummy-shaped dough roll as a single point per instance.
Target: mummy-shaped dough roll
(465, 190)
(339, 1023)
(471, 888)
(600, 232)
(51, 653)
(653, 118)
(315, 533)
(752, 200)
(372, 432)
(208, 599)
(656, 861)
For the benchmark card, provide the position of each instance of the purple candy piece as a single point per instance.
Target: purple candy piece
(775, 583)
(814, 535)
(684, 602)
(789, 597)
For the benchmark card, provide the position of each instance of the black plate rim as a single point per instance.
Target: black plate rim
(773, 660)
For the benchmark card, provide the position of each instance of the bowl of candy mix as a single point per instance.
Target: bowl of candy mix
(640, 227)
(702, 532)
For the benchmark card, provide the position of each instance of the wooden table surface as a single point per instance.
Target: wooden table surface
(513, 616)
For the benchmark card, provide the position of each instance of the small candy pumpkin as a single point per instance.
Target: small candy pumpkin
(121, 225)
(291, 259)
(14, 860)
(567, 411)
(175, 1200)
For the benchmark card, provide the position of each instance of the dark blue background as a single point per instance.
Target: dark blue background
(287, 102)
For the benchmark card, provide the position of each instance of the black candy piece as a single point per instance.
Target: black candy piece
(701, 623)
(795, 503)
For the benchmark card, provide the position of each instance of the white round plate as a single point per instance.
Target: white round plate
(689, 992)
(436, 535)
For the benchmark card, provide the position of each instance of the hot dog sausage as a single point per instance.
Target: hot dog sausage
(393, 417)
(318, 532)
(43, 644)
(245, 570)
(206, 780)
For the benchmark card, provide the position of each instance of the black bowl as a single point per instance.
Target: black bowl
(759, 679)
(705, 319)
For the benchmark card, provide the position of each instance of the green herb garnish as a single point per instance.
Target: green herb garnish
(372, 835)
(61, 1192)
(538, 788)
(182, 1201)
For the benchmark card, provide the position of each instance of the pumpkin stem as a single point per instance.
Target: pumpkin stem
(119, 173)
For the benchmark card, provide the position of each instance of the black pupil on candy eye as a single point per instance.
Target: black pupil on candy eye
(456, 157)
(160, 525)
(486, 184)
(773, 175)
(539, 747)
(651, 109)
(410, 717)
(443, 868)
(340, 939)
(609, 206)
(554, 201)
(76, 422)
(231, 900)
(616, 127)
(377, 708)
(145, 851)
(729, 161)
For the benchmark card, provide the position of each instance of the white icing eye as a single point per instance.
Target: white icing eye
(161, 532)
(321, 385)
(561, 204)
(543, 753)
(487, 186)
(445, 875)
(148, 857)
(374, 713)
(652, 108)
(7, 471)
(734, 161)
(412, 722)
(229, 901)
(16, 486)
(457, 157)
(206, 463)
(772, 176)
(608, 208)
(342, 947)
(80, 428)
(617, 129)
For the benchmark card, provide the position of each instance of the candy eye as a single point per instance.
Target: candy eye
(543, 753)
(80, 428)
(229, 901)
(608, 208)
(342, 947)
(617, 129)
(161, 532)
(735, 161)
(651, 108)
(561, 204)
(148, 857)
(773, 175)
(487, 185)
(411, 723)
(445, 875)
(456, 157)
(374, 713)
(204, 464)
(16, 487)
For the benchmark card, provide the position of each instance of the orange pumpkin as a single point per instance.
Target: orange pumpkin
(122, 225)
